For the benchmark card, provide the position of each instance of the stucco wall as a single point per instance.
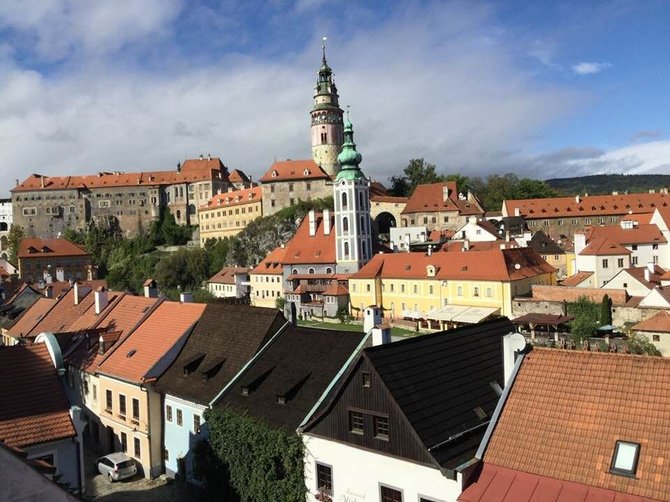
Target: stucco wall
(180, 439)
(66, 459)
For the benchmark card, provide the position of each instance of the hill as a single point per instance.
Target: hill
(608, 183)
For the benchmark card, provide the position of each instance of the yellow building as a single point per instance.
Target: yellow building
(228, 213)
(429, 286)
(266, 279)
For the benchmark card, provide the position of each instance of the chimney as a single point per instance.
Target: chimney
(101, 345)
(17, 181)
(209, 156)
(615, 192)
(202, 157)
(466, 245)
(371, 318)
(178, 166)
(381, 335)
(150, 289)
(326, 222)
(430, 250)
(101, 299)
(577, 199)
(445, 193)
(76, 293)
(513, 344)
(647, 274)
(580, 242)
(186, 297)
(312, 223)
(517, 211)
(42, 181)
(49, 292)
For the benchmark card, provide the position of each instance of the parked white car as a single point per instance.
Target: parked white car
(116, 466)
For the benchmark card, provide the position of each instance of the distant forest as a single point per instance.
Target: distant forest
(608, 183)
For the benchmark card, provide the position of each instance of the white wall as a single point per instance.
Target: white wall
(401, 237)
(357, 474)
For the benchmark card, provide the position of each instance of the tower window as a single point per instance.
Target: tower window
(346, 250)
(324, 138)
(345, 225)
(344, 200)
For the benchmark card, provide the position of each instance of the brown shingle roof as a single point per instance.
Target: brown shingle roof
(45, 248)
(227, 275)
(287, 170)
(33, 406)
(576, 279)
(566, 410)
(145, 346)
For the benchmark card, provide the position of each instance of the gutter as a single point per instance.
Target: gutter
(249, 363)
(337, 377)
(499, 407)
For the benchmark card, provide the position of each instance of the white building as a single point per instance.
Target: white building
(5, 225)
(402, 237)
(230, 282)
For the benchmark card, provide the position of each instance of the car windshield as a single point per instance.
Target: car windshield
(125, 464)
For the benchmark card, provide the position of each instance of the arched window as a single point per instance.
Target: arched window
(294, 271)
(344, 200)
(346, 250)
(310, 270)
(3, 227)
(178, 214)
(362, 227)
(329, 270)
(365, 250)
(361, 204)
(345, 225)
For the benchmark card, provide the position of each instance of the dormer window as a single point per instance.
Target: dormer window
(275, 174)
(624, 461)
(306, 172)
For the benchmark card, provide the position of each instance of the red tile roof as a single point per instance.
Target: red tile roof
(591, 205)
(39, 248)
(272, 264)
(234, 198)
(566, 410)
(137, 354)
(604, 246)
(287, 170)
(388, 198)
(430, 197)
(639, 234)
(576, 279)
(192, 170)
(495, 265)
(336, 290)
(639, 273)
(33, 406)
(30, 317)
(318, 248)
(237, 176)
(227, 275)
(659, 323)
(61, 317)
(499, 484)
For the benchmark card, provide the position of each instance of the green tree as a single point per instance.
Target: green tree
(14, 238)
(606, 311)
(187, 268)
(280, 302)
(586, 317)
(640, 344)
(420, 172)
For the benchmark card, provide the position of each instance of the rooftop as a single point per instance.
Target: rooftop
(289, 170)
(46, 248)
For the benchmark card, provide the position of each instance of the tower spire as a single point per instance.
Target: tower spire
(323, 48)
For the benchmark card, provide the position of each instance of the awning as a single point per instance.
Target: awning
(461, 314)
(412, 314)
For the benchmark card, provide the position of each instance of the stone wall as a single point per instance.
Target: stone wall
(280, 194)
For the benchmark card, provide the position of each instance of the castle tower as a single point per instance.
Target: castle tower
(351, 193)
(326, 128)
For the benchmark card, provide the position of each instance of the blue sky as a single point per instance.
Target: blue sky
(542, 88)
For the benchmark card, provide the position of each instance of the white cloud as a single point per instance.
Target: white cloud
(438, 82)
(589, 68)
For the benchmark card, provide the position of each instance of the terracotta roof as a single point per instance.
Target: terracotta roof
(641, 218)
(60, 318)
(33, 406)
(116, 323)
(234, 198)
(288, 170)
(317, 248)
(272, 264)
(137, 354)
(639, 234)
(192, 170)
(439, 235)
(659, 323)
(336, 290)
(569, 294)
(639, 273)
(568, 408)
(38, 248)
(591, 205)
(30, 317)
(576, 279)
(388, 198)
(237, 176)
(495, 265)
(224, 340)
(499, 484)
(377, 189)
(227, 275)
(459, 246)
(604, 246)
(430, 197)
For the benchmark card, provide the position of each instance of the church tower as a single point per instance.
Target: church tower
(351, 193)
(326, 115)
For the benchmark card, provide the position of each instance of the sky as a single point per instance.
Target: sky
(544, 89)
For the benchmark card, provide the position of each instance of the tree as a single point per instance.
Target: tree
(420, 172)
(640, 344)
(606, 311)
(14, 238)
(399, 186)
(586, 317)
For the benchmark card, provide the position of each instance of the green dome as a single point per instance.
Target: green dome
(349, 158)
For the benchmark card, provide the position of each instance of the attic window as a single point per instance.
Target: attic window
(306, 172)
(245, 390)
(131, 353)
(496, 387)
(281, 399)
(624, 461)
(275, 174)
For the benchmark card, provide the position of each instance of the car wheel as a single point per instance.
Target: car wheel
(110, 477)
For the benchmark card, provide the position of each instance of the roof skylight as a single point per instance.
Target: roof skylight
(624, 461)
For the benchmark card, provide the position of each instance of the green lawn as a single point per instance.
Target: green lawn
(352, 327)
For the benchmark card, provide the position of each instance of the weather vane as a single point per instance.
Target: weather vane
(348, 106)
